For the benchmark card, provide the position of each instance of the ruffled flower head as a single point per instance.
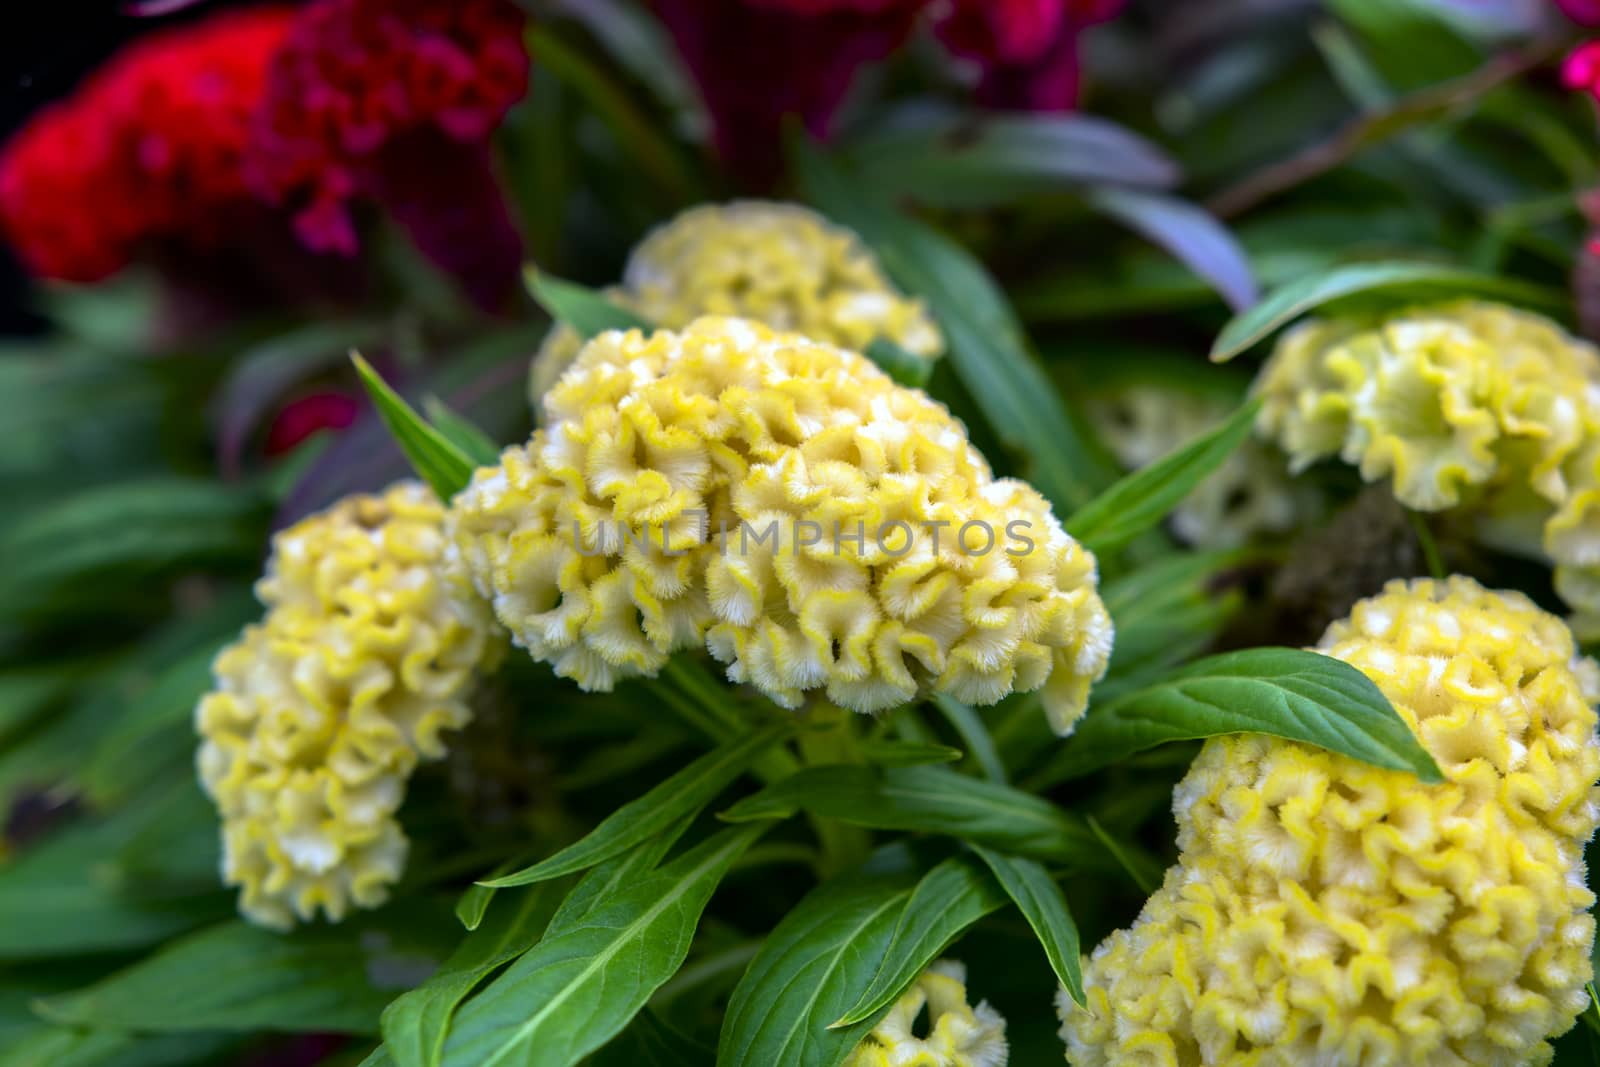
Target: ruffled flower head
(1027, 49)
(952, 1032)
(1247, 498)
(366, 656)
(780, 264)
(1467, 405)
(1328, 911)
(787, 505)
(395, 100)
(149, 150)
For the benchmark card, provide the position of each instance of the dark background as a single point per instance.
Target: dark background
(47, 46)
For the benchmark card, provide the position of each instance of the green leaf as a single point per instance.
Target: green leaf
(1390, 281)
(908, 753)
(1142, 870)
(1189, 234)
(236, 977)
(584, 981)
(1145, 497)
(612, 876)
(460, 431)
(1042, 903)
(974, 734)
(586, 311)
(987, 347)
(907, 368)
(950, 898)
(1289, 693)
(416, 1023)
(435, 458)
(934, 800)
(679, 797)
(59, 1046)
(813, 966)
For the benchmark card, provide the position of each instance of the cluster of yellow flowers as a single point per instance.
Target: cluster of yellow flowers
(1467, 404)
(366, 655)
(954, 1034)
(814, 524)
(779, 264)
(1327, 911)
(1249, 497)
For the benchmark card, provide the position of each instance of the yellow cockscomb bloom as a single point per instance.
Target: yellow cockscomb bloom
(1324, 911)
(1248, 497)
(953, 1034)
(1463, 405)
(786, 504)
(779, 264)
(320, 712)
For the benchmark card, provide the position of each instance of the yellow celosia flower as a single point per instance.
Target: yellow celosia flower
(1469, 404)
(366, 655)
(786, 504)
(779, 264)
(1324, 911)
(953, 1034)
(1248, 497)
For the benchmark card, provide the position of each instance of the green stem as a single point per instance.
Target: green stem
(829, 736)
(1430, 547)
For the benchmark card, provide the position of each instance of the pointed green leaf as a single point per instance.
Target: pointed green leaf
(987, 347)
(433, 456)
(1289, 693)
(908, 753)
(608, 879)
(584, 981)
(969, 724)
(679, 797)
(1145, 497)
(460, 431)
(933, 800)
(950, 898)
(1189, 233)
(1042, 903)
(1390, 281)
(814, 965)
(236, 977)
(586, 311)
(415, 1024)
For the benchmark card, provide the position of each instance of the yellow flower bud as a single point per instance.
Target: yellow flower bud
(787, 505)
(367, 654)
(949, 1033)
(780, 264)
(1324, 910)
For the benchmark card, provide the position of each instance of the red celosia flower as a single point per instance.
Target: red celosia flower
(149, 149)
(301, 418)
(1028, 49)
(1582, 68)
(360, 84)
(759, 62)
(1583, 12)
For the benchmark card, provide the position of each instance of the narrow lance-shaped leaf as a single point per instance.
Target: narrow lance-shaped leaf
(987, 347)
(436, 459)
(813, 966)
(582, 984)
(460, 431)
(1145, 497)
(680, 796)
(1395, 281)
(950, 898)
(1190, 234)
(586, 311)
(1289, 693)
(933, 800)
(1042, 903)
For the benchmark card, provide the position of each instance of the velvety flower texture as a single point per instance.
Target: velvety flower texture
(1027, 49)
(1583, 12)
(366, 656)
(1249, 497)
(952, 1032)
(395, 100)
(786, 504)
(149, 149)
(782, 265)
(1469, 405)
(1324, 911)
